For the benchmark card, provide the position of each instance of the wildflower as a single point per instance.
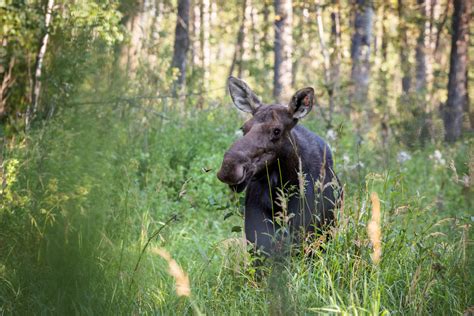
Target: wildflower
(346, 159)
(238, 133)
(437, 157)
(403, 156)
(331, 135)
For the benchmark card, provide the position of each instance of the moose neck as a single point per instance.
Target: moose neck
(287, 164)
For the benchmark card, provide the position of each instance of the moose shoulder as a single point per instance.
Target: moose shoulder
(287, 171)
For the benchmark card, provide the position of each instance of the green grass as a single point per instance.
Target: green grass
(85, 192)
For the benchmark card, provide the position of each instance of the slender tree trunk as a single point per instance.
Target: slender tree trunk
(155, 28)
(336, 45)
(422, 46)
(300, 35)
(205, 48)
(328, 79)
(254, 27)
(33, 107)
(360, 51)
(239, 46)
(181, 44)
(140, 24)
(196, 37)
(265, 39)
(7, 81)
(457, 84)
(404, 48)
(283, 50)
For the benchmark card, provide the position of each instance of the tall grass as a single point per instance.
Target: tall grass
(88, 191)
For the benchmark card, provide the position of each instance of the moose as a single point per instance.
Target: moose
(274, 155)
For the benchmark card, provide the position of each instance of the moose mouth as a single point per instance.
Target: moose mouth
(242, 183)
(251, 171)
(239, 187)
(249, 176)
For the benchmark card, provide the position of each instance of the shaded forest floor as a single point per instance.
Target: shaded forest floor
(85, 192)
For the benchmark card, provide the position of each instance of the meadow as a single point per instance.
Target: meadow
(94, 196)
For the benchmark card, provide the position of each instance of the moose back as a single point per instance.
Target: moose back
(287, 171)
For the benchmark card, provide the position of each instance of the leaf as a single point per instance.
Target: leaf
(236, 229)
(226, 216)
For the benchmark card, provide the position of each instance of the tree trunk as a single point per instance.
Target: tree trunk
(457, 84)
(205, 48)
(404, 48)
(141, 23)
(239, 46)
(7, 81)
(422, 46)
(328, 79)
(196, 37)
(283, 50)
(254, 27)
(33, 107)
(360, 51)
(335, 43)
(265, 39)
(181, 44)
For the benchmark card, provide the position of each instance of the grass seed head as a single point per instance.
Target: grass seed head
(181, 278)
(374, 229)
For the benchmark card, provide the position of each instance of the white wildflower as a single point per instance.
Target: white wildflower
(346, 159)
(331, 135)
(239, 133)
(437, 157)
(403, 156)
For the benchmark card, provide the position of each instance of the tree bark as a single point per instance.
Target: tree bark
(7, 82)
(457, 84)
(360, 51)
(142, 24)
(336, 43)
(404, 48)
(283, 50)
(205, 48)
(328, 79)
(181, 43)
(239, 46)
(422, 46)
(196, 36)
(33, 107)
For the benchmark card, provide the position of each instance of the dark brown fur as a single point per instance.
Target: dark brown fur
(274, 153)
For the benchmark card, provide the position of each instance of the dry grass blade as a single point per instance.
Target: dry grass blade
(374, 229)
(181, 278)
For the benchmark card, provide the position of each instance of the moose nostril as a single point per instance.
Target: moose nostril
(231, 172)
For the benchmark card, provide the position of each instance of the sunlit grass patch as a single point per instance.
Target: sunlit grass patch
(98, 191)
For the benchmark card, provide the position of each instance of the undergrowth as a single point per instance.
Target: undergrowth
(85, 193)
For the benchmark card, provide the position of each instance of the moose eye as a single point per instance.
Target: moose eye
(276, 132)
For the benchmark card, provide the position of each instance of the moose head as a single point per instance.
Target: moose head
(266, 136)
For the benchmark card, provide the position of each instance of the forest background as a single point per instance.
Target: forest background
(114, 117)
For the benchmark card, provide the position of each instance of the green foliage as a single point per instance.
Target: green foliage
(81, 35)
(82, 199)
(114, 169)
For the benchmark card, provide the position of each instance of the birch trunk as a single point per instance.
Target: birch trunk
(32, 109)
(205, 48)
(239, 46)
(283, 50)
(360, 52)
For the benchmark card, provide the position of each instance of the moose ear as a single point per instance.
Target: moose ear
(242, 96)
(301, 103)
